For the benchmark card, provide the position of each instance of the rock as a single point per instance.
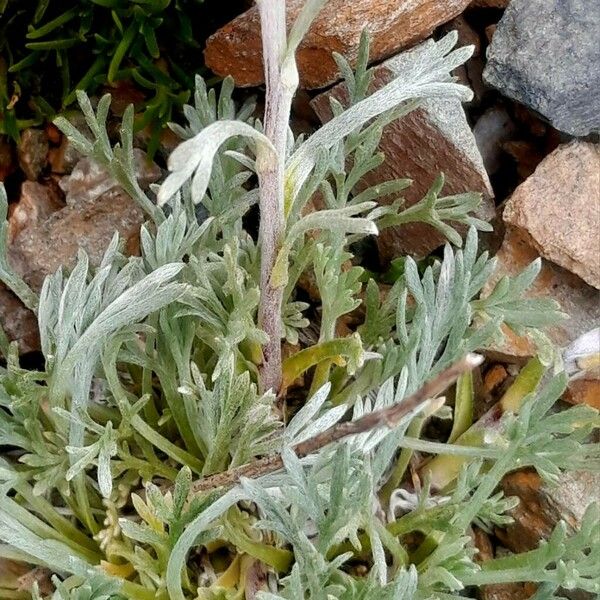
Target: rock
(40, 250)
(63, 157)
(36, 204)
(18, 322)
(577, 299)
(89, 180)
(557, 209)
(96, 209)
(46, 235)
(33, 152)
(396, 24)
(545, 55)
(526, 155)
(502, 591)
(493, 128)
(584, 391)
(490, 30)
(541, 506)
(53, 133)
(489, 3)
(467, 36)
(507, 591)
(433, 138)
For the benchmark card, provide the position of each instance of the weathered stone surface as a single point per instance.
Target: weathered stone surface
(18, 322)
(393, 25)
(579, 300)
(492, 129)
(96, 209)
(541, 506)
(433, 138)
(467, 36)
(40, 250)
(33, 152)
(584, 391)
(64, 157)
(36, 203)
(545, 54)
(557, 209)
(502, 591)
(89, 180)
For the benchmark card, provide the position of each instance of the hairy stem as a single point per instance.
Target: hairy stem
(279, 93)
(386, 417)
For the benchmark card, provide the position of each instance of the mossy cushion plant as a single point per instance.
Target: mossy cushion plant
(155, 455)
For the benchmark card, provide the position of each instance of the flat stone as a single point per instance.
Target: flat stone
(576, 298)
(89, 180)
(557, 209)
(32, 151)
(45, 234)
(64, 157)
(96, 208)
(542, 506)
(40, 250)
(36, 203)
(393, 25)
(433, 138)
(545, 55)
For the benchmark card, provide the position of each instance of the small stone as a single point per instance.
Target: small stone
(576, 298)
(433, 138)
(36, 203)
(490, 30)
(542, 506)
(557, 209)
(502, 591)
(40, 250)
(467, 36)
(393, 25)
(53, 133)
(493, 128)
(64, 157)
(33, 152)
(584, 391)
(18, 322)
(89, 180)
(545, 55)
(526, 155)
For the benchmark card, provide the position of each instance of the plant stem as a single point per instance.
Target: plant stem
(279, 93)
(386, 417)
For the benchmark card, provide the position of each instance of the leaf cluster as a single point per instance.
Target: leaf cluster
(150, 380)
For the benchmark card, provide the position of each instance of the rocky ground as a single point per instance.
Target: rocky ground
(528, 142)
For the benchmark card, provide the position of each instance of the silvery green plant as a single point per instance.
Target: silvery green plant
(164, 379)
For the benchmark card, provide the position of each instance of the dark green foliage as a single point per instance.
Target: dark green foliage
(51, 48)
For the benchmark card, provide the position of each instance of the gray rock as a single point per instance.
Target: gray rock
(545, 55)
(492, 129)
